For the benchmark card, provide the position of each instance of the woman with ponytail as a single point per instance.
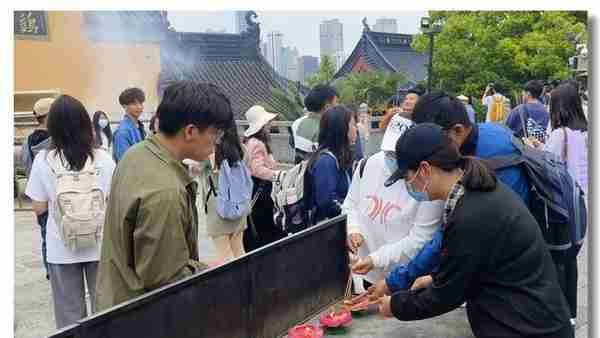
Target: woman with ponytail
(493, 256)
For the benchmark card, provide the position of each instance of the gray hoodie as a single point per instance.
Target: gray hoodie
(28, 152)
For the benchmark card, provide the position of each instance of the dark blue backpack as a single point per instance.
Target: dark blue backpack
(555, 199)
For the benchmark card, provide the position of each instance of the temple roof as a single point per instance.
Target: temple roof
(388, 52)
(233, 62)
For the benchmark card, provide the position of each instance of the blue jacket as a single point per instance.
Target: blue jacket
(536, 111)
(424, 263)
(487, 140)
(329, 187)
(127, 134)
(495, 140)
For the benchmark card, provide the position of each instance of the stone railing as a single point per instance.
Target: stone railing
(280, 139)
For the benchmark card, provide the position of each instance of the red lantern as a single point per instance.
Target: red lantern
(305, 331)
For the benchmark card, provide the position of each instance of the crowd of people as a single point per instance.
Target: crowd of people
(432, 224)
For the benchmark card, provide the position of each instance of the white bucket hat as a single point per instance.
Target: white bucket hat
(397, 126)
(257, 117)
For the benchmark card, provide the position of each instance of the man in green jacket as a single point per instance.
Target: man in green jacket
(150, 232)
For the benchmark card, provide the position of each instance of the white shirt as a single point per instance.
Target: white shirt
(394, 225)
(104, 141)
(577, 150)
(41, 187)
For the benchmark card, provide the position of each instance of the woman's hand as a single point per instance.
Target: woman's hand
(354, 241)
(385, 307)
(422, 282)
(363, 265)
(378, 290)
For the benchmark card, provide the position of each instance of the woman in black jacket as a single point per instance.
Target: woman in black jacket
(493, 254)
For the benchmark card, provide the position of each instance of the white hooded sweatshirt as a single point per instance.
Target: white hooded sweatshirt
(394, 225)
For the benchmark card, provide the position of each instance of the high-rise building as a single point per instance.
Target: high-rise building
(263, 49)
(339, 57)
(386, 25)
(240, 21)
(292, 65)
(283, 61)
(274, 46)
(307, 66)
(331, 38)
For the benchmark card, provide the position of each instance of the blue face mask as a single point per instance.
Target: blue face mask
(419, 196)
(391, 164)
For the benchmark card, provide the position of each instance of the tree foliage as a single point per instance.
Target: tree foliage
(325, 73)
(475, 48)
(373, 88)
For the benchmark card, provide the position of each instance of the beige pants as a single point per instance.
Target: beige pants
(229, 246)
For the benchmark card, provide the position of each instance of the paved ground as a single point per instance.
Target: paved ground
(34, 315)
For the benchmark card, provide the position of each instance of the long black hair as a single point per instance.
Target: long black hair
(229, 148)
(70, 128)
(333, 134)
(566, 109)
(106, 130)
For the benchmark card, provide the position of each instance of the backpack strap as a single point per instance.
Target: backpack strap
(524, 116)
(565, 145)
(361, 166)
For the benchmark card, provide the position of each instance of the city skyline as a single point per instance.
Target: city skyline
(300, 29)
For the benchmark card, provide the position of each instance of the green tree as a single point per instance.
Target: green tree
(325, 73)
(475, 48)
(373, 88)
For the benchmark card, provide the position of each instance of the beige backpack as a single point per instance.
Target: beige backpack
(79, 204)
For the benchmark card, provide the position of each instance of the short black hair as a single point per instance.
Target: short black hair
(318, 97)
(442, 109)
(130, 95)
(534, 88)
(188, 102)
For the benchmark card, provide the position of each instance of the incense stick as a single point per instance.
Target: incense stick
(348, 286)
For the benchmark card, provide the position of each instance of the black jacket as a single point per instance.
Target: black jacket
(494, 257)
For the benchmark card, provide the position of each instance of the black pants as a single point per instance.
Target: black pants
(566, 271)
(42, 219)
(261, 228)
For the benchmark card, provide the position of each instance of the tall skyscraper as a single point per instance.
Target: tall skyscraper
(264, 49)
(292, 65)
(386, 25)
(331, 34)
(283, 61)
(240, 21)
(274, 47)
(307, 66)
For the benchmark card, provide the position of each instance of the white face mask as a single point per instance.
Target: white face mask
(103, 123)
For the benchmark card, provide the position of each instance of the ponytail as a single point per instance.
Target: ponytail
(477, 176)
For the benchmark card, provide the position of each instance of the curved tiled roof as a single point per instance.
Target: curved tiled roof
(387, 52)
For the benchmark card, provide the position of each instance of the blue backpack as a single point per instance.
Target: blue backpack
(234, 193)
(556, 201)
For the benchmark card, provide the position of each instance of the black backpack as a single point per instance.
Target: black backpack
(555, 199)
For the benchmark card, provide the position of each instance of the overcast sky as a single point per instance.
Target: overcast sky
(300, 28)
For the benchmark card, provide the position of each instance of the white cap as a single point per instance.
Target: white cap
(397, 126)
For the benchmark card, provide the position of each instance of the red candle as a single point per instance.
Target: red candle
(305, 331)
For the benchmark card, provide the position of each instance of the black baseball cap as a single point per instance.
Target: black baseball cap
(415, 145)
